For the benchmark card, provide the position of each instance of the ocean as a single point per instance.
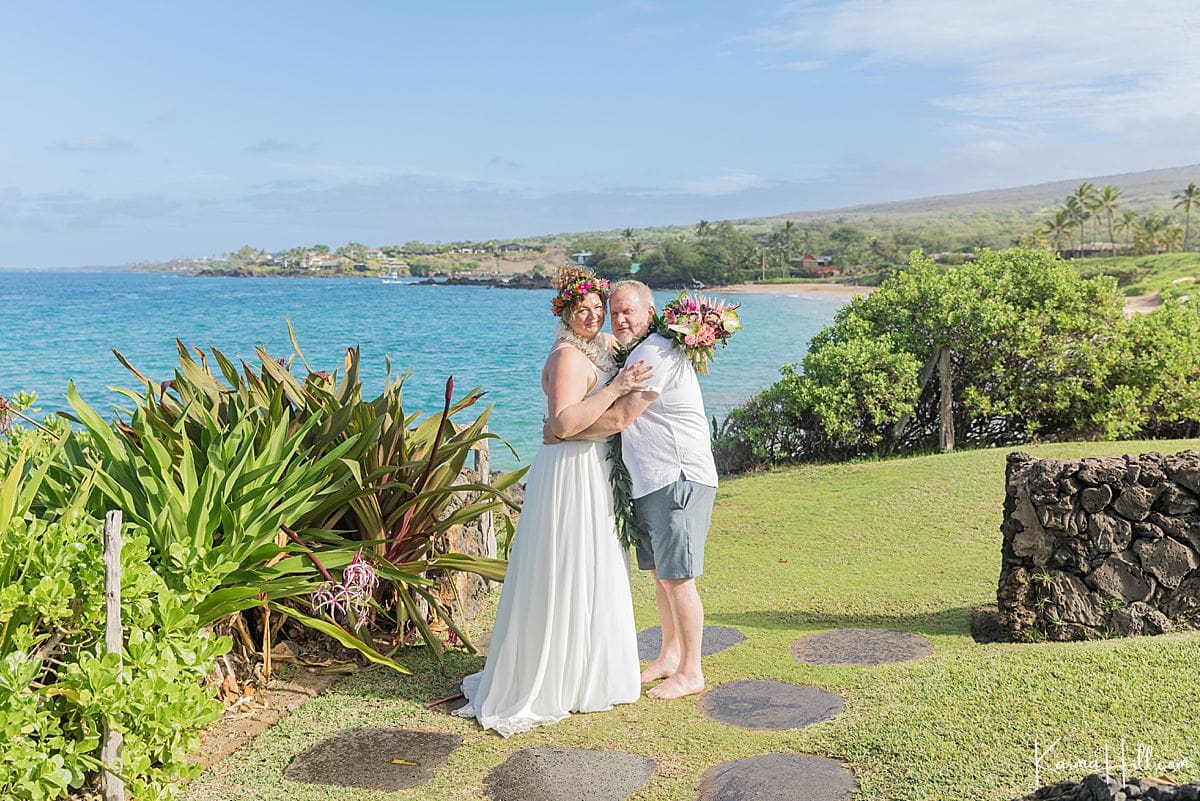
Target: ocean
(56, 326)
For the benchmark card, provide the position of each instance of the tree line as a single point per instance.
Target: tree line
(1143, 233)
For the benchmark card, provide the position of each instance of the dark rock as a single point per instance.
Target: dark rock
(1121, 578)
(860, 647)
(777, 777)
(1175, 501)
(568, 774)
(1072, 632)
(1095, 787)
(1109, 533)
(1015, 600)
(1094, 499)
(716, 639)
(1147, 531)
(1058, 516)
(1183, 603)
(1134, 502)
(1073, 602)
(373, 759)
(754, 704)
(1185, 528)
(1102, 470)
(1184, 470)
(1168, 560)
(1071, 556)
(1138, 619)
(1035, 544)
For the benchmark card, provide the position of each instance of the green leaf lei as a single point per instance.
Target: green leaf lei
(622, 484)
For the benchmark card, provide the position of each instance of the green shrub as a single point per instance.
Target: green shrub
(1036, 352)
(57, 685)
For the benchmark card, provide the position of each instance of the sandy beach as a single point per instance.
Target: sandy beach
(826, 290)
(1134, 305)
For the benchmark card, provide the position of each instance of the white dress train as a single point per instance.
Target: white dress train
(564, 639)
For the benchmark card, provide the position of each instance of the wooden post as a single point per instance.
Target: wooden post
(946, 407)
(901, 424)
(110, 755)
(484, 470)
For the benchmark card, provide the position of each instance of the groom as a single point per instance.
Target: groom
(666, 447)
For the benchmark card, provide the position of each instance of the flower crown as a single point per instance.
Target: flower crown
(576, 290)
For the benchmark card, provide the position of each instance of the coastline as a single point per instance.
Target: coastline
(846, 291)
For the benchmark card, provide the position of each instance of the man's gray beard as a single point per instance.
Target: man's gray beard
(631, 338)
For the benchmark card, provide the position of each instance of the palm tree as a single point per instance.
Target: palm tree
(1078, 214)
(1128, 223)
(1085, 196)
(787, 235)
(1106, 202)
(703, 229)
(1057, 227)
(1187, 200)
(1171, 237)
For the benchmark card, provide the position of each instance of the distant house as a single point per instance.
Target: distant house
(1091, 250)
(582, 256)
(810, 266)
(375, 253)
(514, 247)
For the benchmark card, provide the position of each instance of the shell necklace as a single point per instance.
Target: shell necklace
(598, 354)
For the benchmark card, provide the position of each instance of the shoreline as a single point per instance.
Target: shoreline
(818, 289)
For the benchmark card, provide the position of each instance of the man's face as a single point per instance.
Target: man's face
(630, 316)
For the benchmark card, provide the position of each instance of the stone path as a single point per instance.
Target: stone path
(777, 777)
(374, 759)
(394, 759)
(860, 647)
(568, 774)
(754, 704)
(716, 639)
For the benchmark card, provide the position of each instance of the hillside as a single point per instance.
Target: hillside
(1139, 190)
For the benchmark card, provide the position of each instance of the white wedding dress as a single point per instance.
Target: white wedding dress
(564, 639)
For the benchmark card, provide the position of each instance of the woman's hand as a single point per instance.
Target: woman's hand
(632, 378)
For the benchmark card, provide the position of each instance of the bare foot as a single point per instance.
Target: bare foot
(677, 686)
(659, 669)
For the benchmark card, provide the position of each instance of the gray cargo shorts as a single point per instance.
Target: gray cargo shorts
(674, 521)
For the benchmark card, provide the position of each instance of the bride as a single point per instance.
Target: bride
(564, 639)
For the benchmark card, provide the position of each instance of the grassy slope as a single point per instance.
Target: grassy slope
(1147, 274)
(906, 544)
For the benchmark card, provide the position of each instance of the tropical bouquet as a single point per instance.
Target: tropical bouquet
(697, 325)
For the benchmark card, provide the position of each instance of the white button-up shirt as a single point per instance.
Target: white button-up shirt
(671, 436)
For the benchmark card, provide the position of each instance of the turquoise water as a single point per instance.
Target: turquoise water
(55, 326)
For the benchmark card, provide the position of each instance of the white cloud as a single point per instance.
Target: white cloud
(807, 65)
(725, 184)
(92, 143)
(1111, 65)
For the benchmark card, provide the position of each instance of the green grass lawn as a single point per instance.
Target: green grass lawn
(907, 544)
(1140, 275)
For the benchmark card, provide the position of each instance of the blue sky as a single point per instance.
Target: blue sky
(133, 131)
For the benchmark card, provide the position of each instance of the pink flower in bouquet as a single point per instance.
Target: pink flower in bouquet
(690, 340)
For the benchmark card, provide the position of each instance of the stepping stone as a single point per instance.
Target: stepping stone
(777, 777)
(716, 639)
(373, 759)
(568, 774)
(860, 647)
(754, 704)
